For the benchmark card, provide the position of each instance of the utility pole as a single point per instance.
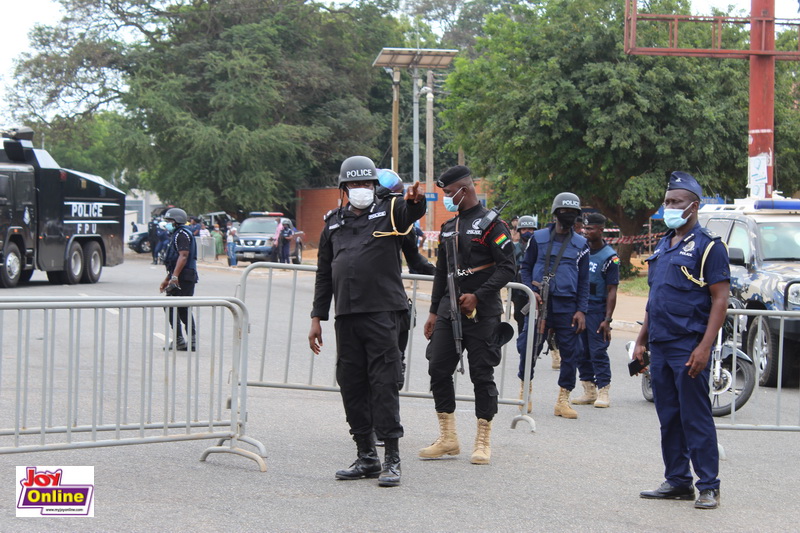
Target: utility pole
(762, 56)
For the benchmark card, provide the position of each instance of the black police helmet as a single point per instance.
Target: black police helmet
(566, 200)
(357, 168)
(526, 221)
(177, 214)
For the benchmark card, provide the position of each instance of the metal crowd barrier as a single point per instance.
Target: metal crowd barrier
(775, 399)
(84, 373)
(280, 340)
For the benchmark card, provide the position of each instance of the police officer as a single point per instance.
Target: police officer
(561, 256)
(485, 265)
(181, 264)
(526, 225)
(594, 367)
(689, 280)
(359, 266)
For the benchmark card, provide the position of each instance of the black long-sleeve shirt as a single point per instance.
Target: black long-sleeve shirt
(360, 271)
(476, 248)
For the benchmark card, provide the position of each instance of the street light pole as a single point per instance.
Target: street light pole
(429, 150)
(415, 106)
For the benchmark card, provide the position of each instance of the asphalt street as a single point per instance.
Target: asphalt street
(568, 475)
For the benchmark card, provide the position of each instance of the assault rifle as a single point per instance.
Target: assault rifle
(451, 251)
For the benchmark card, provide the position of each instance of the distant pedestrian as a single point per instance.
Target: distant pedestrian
(134, 227)
(219, 245)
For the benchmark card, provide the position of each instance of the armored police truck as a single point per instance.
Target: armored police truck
(66, 223)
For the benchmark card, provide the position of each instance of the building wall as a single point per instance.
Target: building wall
(313, 204)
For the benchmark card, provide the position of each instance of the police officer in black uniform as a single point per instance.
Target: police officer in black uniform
(359, 266)
(181, 263)
(689, 278)
(486, 265)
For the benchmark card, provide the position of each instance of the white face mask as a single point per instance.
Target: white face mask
(361, 198)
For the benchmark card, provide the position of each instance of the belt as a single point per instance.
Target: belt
(472, 270)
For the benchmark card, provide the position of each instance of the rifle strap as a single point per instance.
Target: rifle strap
(564, 244)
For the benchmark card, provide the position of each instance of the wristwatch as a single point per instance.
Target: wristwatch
(173, 277)
(609, 319)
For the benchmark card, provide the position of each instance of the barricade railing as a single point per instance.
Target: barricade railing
(766, 331)
(284, 360)
(103, 371)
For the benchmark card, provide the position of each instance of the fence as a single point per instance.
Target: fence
(773, 339)
(100, 372)
(285, 360)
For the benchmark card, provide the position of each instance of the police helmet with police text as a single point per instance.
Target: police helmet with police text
(357, 168)
(566, 200)
(177, 214)
(526, 221)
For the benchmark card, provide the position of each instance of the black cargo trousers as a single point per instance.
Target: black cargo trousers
(368, 370)
(482, 356)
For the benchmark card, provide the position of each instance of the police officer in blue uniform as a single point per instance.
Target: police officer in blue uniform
(485, 259)
(594, 367)
(359, 267)
(561, 255)
(689, 280)
(181, 263)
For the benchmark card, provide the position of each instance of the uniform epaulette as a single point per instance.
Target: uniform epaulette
(709, 234)
(329, 214)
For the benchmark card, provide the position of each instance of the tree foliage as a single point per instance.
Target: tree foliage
(233, 104)
(552, 103)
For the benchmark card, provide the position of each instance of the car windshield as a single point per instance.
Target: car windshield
(780, 241)
(259, 225)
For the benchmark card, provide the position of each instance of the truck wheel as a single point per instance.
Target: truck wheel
(297, 259)
(73, 267)
(93, 258)
(12, 266)
(762, 347)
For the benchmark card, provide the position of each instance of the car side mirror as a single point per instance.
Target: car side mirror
(736, 257)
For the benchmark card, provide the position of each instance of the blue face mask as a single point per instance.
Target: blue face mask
(524, 236)
(449, 204)
(673, 218)
(170, 227)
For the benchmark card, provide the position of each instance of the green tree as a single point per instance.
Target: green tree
(231, 104)
(552, 103)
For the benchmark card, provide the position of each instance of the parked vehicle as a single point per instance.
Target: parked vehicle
(255, 239)
(64, 222)
(763, 238)
(139, 242)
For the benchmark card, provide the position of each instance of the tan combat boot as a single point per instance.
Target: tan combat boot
(530, 394)
(602, 397)
(447, 443)
(556, 355)
(589, 394)
(562, 405)
(483, 446)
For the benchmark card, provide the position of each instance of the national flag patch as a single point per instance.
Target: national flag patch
(615, 260)
(500, 239)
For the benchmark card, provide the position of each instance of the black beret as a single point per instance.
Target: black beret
(684, 180)
(594, 218)
(452, 175)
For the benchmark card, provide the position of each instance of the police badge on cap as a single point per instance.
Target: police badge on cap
(452, 175)
(685, 181)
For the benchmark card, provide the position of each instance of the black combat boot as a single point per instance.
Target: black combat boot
(367, 463)
(390, 475)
